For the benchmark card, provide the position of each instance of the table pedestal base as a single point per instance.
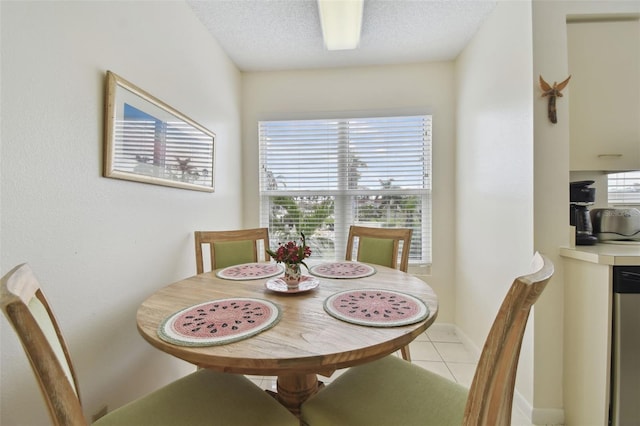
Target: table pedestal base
(294, 389)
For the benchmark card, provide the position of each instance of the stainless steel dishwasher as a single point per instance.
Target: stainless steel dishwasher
(624, 409)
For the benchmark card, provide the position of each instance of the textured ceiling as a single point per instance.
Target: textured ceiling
(260, 35)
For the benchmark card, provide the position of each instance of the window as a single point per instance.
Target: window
(624, 188)
(321, 176)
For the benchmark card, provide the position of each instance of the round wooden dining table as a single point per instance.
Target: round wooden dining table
(305, 342)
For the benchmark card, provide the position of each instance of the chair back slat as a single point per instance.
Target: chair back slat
(28, 312)
(491, 394)
(223, 240)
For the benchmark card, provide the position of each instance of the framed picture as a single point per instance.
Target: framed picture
(148, 141)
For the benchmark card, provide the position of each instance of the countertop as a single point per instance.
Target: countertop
(604, 254)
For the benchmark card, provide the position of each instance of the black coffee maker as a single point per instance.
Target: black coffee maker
(581, 196)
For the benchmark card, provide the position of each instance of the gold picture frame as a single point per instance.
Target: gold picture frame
(148, 141)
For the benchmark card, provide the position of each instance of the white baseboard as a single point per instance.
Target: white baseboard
(547, 416)
(537, 416)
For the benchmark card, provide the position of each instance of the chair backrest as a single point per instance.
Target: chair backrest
(227, 248)
(28, 311)
(490, 398)
(380, 246)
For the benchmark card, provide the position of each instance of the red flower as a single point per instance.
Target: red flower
(291, 252)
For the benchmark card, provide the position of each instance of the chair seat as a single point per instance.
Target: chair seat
(411, 396)
(204, 397)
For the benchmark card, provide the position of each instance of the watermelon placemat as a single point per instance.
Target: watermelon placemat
(219, 322)
(250, 271)
(345, 269)
(376, 308)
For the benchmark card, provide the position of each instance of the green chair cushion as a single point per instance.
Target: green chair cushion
(229, 253)
(376, 250)
(203, 398)
(387, 392)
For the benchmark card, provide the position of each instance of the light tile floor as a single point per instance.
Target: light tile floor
(438, 350)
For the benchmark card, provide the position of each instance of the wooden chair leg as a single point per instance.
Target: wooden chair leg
(406, 355)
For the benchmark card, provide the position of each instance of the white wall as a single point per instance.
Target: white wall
(494, 173)
(101, 246)
(366, 91)
(551, 194)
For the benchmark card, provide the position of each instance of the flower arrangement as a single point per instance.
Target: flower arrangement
(291, 253)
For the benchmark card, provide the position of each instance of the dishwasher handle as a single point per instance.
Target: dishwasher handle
(626, 280)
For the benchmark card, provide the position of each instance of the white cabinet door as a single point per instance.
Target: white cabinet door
(604, 95)
(587, 341)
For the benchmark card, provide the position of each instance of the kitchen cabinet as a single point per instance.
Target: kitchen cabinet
(588, 301)
(604, 94)
(587, 339)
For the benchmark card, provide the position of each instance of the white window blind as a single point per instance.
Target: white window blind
(321, 176)
(624, 188)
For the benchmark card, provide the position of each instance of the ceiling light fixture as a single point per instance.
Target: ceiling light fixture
(341, 22)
